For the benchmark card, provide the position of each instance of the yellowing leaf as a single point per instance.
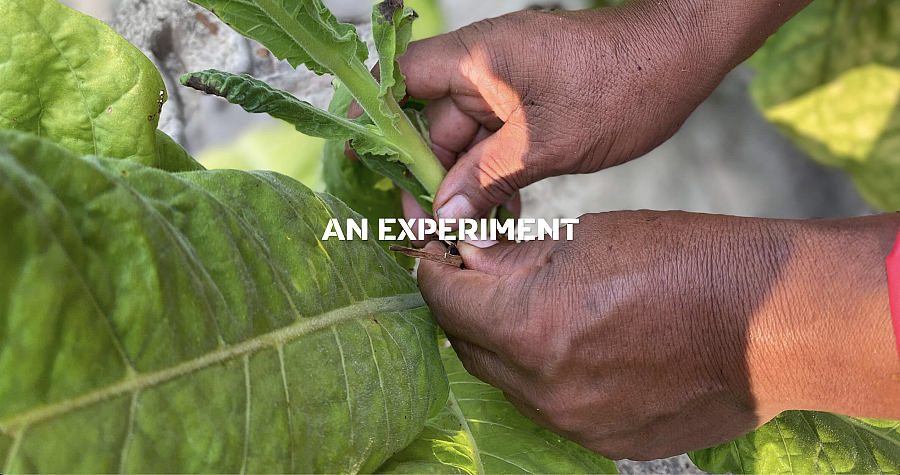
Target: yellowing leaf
(829, 80)
(847, 115)
(70, 78)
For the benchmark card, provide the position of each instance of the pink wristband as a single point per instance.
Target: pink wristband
(893, 275)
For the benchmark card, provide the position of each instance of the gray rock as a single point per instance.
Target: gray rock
(180, 37)
(680, 465)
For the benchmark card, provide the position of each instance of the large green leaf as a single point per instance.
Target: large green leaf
(300, 31)
(194, 322)
(809, 442)
(479, 431)
(72, 79)
(830, 79)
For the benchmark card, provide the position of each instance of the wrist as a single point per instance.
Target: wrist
(824, 337)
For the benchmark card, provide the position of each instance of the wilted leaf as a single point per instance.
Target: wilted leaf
(257, 97)
(70, 78)
(809, 442)
(195, 322)
(479, 431)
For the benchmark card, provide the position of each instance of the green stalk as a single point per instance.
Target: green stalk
(414, 151)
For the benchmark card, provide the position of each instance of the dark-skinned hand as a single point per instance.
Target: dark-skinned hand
(652, 334)
(531, 95)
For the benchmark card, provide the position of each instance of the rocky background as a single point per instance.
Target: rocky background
(726, 159)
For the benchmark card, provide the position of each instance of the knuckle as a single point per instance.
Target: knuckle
(497, 180)
(565, 420)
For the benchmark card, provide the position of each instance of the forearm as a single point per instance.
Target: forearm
(700, 41)
(824, 338)
(730, 31)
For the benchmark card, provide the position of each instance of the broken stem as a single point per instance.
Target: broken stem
(445, 258)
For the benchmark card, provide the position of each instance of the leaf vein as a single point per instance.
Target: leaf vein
(268, 340)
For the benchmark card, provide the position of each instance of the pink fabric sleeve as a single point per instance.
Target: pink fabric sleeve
(893, 275)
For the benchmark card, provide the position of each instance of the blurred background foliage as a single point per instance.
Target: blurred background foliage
(830, 80)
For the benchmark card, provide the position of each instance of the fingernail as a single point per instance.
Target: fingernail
(457, 207)
(482, 244)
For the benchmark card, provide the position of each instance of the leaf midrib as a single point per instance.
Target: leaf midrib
(274, 339)
(470, 437)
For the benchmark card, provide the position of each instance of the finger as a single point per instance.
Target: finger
(483, 133)
(486, 365)
(478, 307)
(491, 173)
(452, 131)
(431, 67)
(412, 210)
(349, 152)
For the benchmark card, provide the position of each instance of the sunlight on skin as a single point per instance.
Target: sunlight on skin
(499, 110)
(792, 349)
(506, 105)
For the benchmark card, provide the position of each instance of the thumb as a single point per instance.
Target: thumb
(431, 66)
(489, 174)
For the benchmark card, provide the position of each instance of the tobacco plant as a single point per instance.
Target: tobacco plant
(156, 316)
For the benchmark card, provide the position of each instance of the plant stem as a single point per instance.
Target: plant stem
(414, 151)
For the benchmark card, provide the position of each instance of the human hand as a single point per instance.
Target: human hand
(531, 95)
(652, 334)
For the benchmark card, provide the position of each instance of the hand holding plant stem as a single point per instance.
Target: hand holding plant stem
(531, 95)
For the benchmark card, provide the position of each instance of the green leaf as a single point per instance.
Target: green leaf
(809, 442)
(391, 30)
(479, 431)
(194, 322)
(70, 78)
(368, 176)
(257, 97)
(397, 173)
(830, 79)
(388, 166)
(300, 31)
(172, 157)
